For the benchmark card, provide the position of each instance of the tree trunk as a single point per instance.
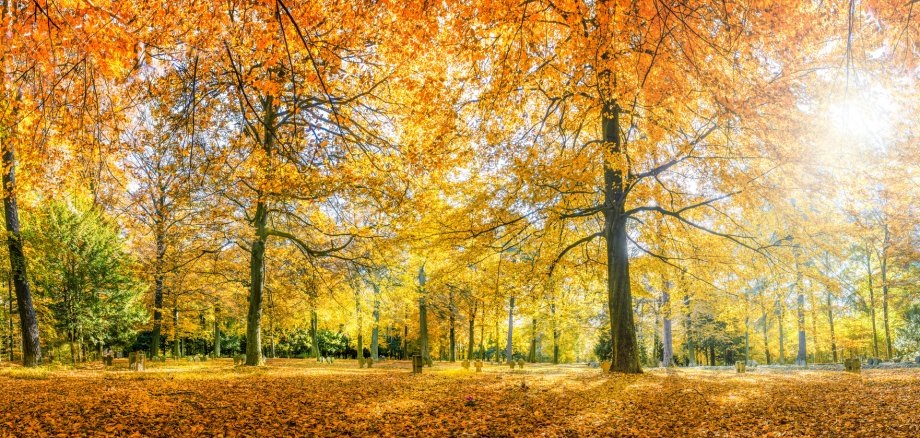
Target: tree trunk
(314, 323)
(31, 348)
(884, 263)
(691, 346)
(9, 291)
(158, 284)
(830, 319)
(177, 347)
(257, 251)
(766, 339)
(375, 333)
(360, 324)
(552, 312)
(217, 330)
(802, 357)
(508, 345)
(624, 347)
(532, 355)
(422, 315)
(452, 354)
(471, 344)
(782, 355)
(667, 346)
(871, 300)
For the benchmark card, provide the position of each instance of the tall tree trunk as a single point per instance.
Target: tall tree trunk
(482, 334)
(177, 347)
(509, 345)
(624, 347)
(766, 327)
(257, 250)
(31, 348)
(9, 291)
(552, 309)
(667, 346)
(814, 327)
(360, 324)
(452, 354)
(375, 333)
(314, 323)
(422, 315)
(688, 328)
(217, 330)
(158, 283)
(801, 359)
(532, 355)
(747, 327)
(779, 309)
(871, 299)
(471, 343)
(830, 319)
(884, 263)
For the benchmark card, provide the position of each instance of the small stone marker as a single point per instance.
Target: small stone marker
(605, 366)
(512, 363)
(740, 366)
(465, 364)
(239, 359)
(136, 361)
(521, 363)
(417, 364)
(107, 360)
(478, 366)
(360, 362)
(370, 362)
(852, 365)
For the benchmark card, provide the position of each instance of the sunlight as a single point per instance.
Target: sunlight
(865, 118)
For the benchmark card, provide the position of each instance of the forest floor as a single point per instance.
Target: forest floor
(291, 397)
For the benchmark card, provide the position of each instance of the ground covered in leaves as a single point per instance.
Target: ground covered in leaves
(301, 397)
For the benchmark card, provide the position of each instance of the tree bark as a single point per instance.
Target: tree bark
(830, 319)
(779, 309)
(552, 309)
(314, 322)
(871, 299)
(422, 315)
(177, 347)
(624, 347)
(257, 252)
(508, 345)
(884, 263)
(158, 283)
(31, 348)
(375, 333)
(667, 346)
(471, 344)
(801, 358)
(360, 324)
(452, 354)
(532, 355)
(688, 327)
(766, 339)
(217, 330)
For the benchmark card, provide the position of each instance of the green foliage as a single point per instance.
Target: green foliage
(84, 276)
(604, 347)
(331, 343)
(908, 335)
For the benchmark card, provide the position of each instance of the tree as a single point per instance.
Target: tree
(87, 277)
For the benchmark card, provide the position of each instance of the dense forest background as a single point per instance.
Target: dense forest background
(649, 183)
